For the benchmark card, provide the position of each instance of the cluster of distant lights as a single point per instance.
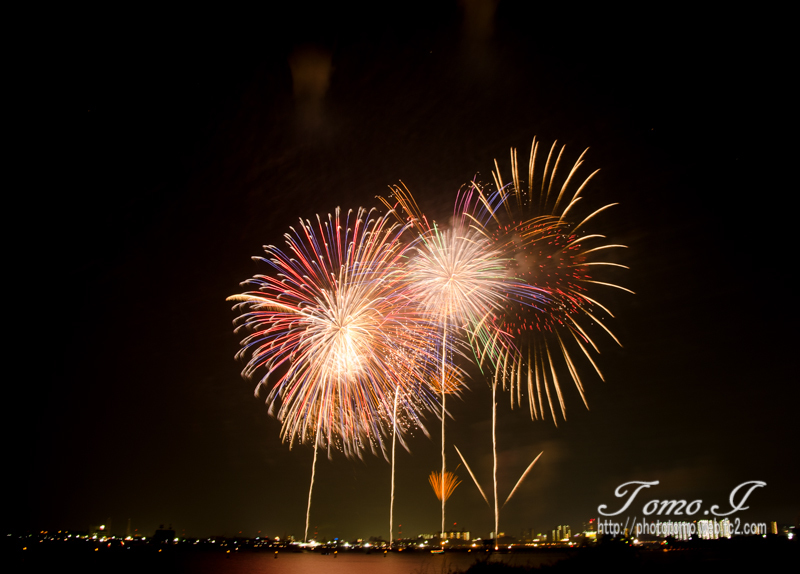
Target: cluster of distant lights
(65, 536)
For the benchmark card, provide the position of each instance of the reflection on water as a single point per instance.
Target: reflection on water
(351, 563)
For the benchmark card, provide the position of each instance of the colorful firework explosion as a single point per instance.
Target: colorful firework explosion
(335, 330)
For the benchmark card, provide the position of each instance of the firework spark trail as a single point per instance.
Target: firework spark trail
(338, 336)
(469, 470)
(427, 365)
(521, 478)
(494, 477)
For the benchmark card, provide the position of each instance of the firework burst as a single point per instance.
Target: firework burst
(334, 332)
(443, 488)
(552, 251)
(462, 277)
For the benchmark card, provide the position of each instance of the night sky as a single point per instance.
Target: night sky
(177, 145)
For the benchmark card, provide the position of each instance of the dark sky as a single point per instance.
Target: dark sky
(176, 145)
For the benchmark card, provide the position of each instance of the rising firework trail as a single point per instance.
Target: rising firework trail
(333, 329)
(394, 445)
